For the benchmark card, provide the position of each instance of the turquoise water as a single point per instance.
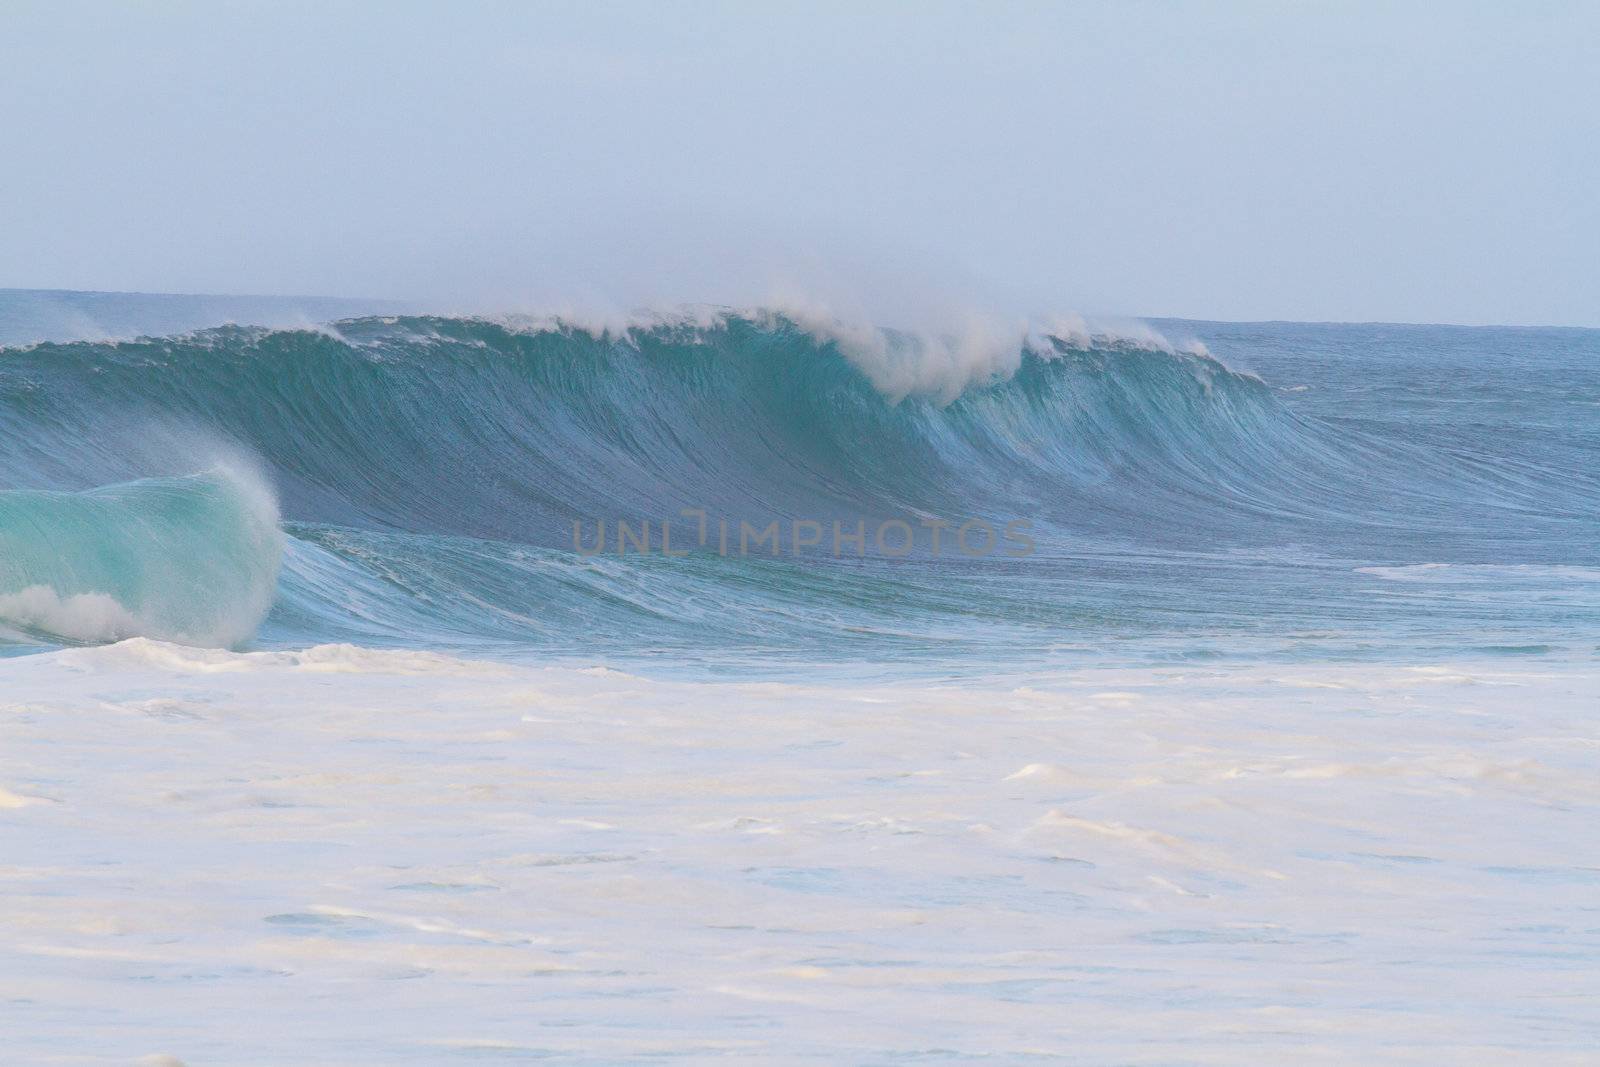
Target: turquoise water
(1261, 490)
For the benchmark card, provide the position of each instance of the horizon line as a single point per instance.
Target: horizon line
(416, 301)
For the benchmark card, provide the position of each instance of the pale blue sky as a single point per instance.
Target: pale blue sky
(1412, 162)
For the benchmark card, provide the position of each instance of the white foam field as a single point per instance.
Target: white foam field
(341, 855)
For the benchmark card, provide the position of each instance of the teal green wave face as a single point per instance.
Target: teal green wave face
(189, 559)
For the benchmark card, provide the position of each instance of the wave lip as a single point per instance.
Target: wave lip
(190, 559)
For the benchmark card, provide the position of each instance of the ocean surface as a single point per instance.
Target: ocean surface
(754, 684)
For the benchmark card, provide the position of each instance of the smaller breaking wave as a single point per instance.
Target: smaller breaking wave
(190, 559)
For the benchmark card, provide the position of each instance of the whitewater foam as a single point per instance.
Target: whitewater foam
(800, 865)
(320, 659)
(87, 617)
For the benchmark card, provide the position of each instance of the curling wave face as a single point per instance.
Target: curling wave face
(189, 559)
(431, 471)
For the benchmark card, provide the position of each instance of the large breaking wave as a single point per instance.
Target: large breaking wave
(430, 471)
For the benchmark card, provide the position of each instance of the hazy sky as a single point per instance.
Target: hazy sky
(1412, 162)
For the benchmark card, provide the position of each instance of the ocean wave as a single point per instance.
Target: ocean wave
(510, 430)
(432, 470)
